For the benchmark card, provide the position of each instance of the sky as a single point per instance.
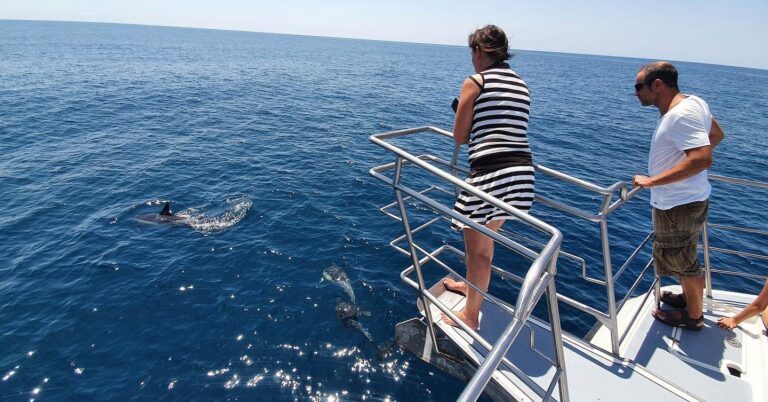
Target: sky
(707, 31)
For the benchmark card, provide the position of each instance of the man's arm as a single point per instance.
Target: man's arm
(716, 134)
(696, 160)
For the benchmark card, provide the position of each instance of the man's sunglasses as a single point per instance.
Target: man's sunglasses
(640, 85)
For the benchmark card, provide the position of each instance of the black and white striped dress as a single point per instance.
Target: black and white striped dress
(499, 153)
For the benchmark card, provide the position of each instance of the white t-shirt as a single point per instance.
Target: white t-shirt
(685, 126)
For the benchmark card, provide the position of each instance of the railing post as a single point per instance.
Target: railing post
(609, 285)
(414, 255)
(707, 267)
(557, 331)
(454, 171)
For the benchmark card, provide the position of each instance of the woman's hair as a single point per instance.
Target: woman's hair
(492, 41)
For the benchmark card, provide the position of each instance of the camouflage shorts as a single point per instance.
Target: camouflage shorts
(676, 239)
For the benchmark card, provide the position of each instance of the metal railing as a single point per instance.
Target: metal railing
(540, 276)
(613, 197)
(707, 249)
(538, 280)
(609, 206)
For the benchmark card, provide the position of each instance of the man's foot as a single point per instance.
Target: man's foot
(455, 286)
(474, 324)
(677, 318)
(676, 300)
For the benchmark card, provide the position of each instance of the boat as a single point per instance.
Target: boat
(518, 355)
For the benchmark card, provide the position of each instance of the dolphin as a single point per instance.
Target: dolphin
(165, 216)
(348, 314)
(336, 274)
(384, 350)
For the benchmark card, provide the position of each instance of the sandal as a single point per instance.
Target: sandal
(682, 321)
(676, 300)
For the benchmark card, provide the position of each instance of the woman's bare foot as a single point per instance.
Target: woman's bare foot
(455, 286)
(474, 324)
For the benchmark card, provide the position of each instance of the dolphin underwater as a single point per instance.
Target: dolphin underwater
(348, 314)
(165, 216)
(336, 274)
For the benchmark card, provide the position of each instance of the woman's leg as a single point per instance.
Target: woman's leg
(479, 251)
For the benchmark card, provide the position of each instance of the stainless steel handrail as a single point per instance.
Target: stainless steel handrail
(532, 282)
(733, 180)
(708, 270)
(539, 278)
(738, 229)
(608, 206)
(610, 203)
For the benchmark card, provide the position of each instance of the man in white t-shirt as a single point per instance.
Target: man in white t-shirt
(681, 152)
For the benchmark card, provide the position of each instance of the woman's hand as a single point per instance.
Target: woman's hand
(727, 323)
(756, 307)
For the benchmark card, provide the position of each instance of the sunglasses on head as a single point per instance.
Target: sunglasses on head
(640, 85)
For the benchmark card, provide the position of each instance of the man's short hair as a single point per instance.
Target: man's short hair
(661, 70)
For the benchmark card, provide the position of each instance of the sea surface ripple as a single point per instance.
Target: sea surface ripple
(261, 140)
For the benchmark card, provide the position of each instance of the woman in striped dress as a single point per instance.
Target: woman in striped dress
(492, 116)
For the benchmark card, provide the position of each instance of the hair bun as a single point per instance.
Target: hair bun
(491, 40)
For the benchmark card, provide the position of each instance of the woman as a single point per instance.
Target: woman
(756, 307)
(492, 116)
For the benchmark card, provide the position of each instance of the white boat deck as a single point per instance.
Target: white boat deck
(659, 363)
(653, 362)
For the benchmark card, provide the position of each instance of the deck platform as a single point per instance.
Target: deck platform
(658, 363)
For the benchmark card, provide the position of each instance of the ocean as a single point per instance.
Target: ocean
(261, 140)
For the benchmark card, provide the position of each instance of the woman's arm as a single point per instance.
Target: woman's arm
(464, 112)
(760, 303)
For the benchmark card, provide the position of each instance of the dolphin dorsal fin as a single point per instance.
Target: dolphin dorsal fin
(166, 210)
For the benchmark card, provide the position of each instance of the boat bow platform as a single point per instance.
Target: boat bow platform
(516, 355)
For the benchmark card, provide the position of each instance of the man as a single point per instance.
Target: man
(681, 152)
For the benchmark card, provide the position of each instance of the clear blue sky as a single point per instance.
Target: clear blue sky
(708, 31)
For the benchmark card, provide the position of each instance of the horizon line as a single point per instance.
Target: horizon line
(377, 40)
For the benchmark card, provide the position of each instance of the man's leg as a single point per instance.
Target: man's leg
(693, 285)
(673, 253)
(693, 289)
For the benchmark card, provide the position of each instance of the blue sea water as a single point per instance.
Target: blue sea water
(262, 140)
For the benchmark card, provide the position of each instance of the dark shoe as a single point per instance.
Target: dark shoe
(676, 300)
(682, 321)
